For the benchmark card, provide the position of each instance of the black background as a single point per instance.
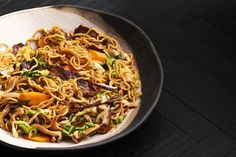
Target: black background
(196, 113)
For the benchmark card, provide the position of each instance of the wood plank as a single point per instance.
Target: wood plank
(144, 12)
(192, 68)
(184, 117)
(193, 10)
(216, 145)
(213, 37)
(174, 145)
(222, 15)
(232, 153)
(182, 151)
(207, 56)
(178, 81)
(11, 6)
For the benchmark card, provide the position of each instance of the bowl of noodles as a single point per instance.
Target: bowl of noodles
(74, 79)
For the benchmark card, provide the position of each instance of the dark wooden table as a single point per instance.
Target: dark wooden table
(196, 40)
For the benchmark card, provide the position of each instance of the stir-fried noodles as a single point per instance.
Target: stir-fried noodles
(61, 85)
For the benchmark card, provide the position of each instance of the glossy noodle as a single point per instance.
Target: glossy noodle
(66, 86)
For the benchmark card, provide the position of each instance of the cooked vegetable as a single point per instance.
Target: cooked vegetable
(6, 60)
(97, 56)
(41, 42)
(36, 73)
(39, 138)
(68, 130)
(26, 127)
(41, 63)
(34, 98)
(118, 120)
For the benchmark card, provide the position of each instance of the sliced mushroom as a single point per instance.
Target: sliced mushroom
(77, 136)
(18, 111)
(4, 112)
(80, 107)
(47, 131)
(104, 129)
(62, 110)
(106, 119)
(44, 119)
(85, 111)
(54, 124)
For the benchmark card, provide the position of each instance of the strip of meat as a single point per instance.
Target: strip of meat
(27, 64)
(16, 47)
(84, 29)
(74, 108)
(62, 73)
(87, 88)
(81, 29)
(68, 36)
